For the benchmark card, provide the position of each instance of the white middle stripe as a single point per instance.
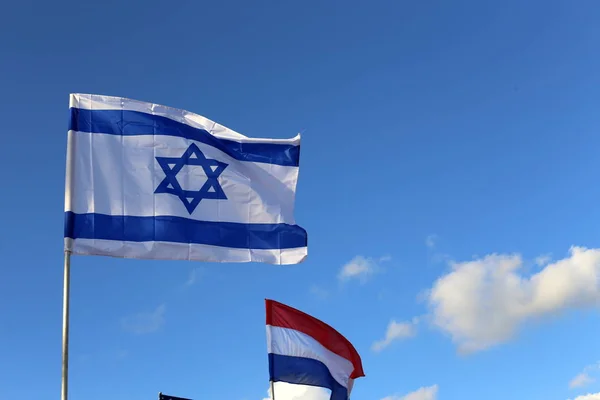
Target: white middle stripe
(117, 175)
(289, 342)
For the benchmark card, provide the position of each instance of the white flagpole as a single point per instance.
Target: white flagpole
(67, 273)
(65, 332)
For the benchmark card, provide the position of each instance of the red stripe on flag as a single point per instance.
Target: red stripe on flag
(284, 316)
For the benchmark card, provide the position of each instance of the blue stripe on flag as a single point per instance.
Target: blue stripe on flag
(305, 371)
(183, 230)
(131, 123)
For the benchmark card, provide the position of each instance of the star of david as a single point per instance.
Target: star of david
(191, 198)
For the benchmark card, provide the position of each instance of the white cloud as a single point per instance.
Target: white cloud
(145, 322)
(358, 268)
(482, 302)
(288, 391)
(424, 393)
(589, 396)
(396, 331)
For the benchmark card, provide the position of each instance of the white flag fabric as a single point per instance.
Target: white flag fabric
(154, 182)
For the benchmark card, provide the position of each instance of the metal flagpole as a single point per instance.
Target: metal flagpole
(67, 274)
(65, 343)
(272, 390)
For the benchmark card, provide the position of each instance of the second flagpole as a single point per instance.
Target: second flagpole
(65, 330)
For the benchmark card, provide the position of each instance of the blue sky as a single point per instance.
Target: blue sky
(449, 164)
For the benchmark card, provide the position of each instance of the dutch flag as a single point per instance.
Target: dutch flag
(305, 351)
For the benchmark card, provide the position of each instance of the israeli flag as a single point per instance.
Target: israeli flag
(154, 182)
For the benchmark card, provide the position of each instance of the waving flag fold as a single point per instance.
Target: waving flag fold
(150, 181)
(304, 350)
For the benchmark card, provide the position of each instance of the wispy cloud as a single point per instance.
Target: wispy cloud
(581, 380)
(424, 393)
(145, 322)
(319, 292)
(193, 277)
(396, 331)
(360, 268)
(430, 241)
(585, 377)
(433, 253)
(543, 259)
